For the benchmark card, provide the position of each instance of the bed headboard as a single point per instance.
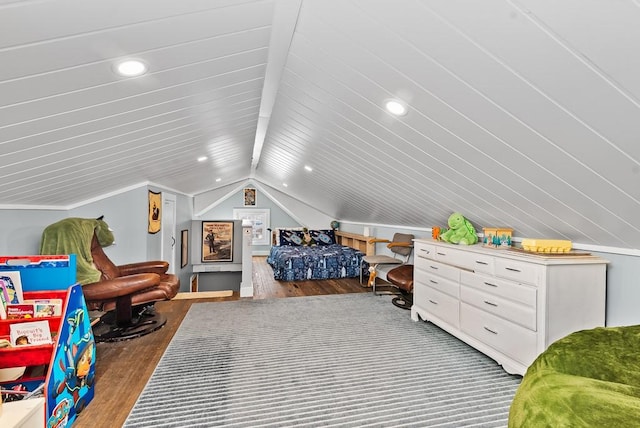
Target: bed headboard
(353, 240)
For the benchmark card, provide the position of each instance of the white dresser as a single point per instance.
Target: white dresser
(508, 304)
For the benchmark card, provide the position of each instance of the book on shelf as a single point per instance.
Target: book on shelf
(20, 311)
(11, 286)
(30, 333)
(46, 307)
(34, 309)
(3, 307)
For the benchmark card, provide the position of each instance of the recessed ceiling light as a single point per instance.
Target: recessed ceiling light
(285, 184)
(395, 107)
(131, 68)
(308, 168)
(218, 180)
(202, 158)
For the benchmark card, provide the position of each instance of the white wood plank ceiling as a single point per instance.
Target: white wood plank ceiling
(520, 113)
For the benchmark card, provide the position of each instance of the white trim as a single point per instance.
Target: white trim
(221, 200)
(260, 253)
(90, 200)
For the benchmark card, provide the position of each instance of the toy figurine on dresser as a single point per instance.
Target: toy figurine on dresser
(460, 231)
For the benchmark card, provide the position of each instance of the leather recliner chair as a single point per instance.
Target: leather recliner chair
(124, 295)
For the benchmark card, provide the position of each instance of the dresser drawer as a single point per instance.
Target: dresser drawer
(517, 342)
(510, 290)
(451, 256)
(529, 273)
(437, 304)
(511, 311)
(440, 269)
(434, 280)
(480, 263)
(424, 251)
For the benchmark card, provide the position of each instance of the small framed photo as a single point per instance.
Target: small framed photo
(217, 241)
(184, 248)
(249, 197)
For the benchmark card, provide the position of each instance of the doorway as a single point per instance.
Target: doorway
(169, 230)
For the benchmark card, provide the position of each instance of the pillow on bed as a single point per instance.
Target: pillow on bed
(291, 237)
(322, 237)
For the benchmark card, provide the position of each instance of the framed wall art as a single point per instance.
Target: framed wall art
(249, 197)
(217, 241)
(184, 248)
(155, 214)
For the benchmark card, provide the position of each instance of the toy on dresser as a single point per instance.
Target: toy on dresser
(460, 231)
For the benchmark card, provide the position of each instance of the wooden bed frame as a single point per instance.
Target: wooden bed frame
(353, 240)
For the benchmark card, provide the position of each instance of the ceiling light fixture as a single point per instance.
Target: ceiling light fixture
(202, 158)
(396, 107)
(131, 68)
(285, 184)
(308, 168)
(218, 180)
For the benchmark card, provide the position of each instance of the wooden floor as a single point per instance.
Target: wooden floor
(123, 368)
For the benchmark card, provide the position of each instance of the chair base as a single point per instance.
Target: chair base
(402, 302)
(145, 322)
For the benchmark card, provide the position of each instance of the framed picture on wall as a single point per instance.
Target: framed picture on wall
(155, 207)
(217, 241)
(184, 248)
(249, 195)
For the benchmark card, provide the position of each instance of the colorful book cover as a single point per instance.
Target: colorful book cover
(11, 286)
(30, 333)
(47, 307)
(3, 306)
(20, 311)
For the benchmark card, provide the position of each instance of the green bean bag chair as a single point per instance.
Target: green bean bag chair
(590, 378)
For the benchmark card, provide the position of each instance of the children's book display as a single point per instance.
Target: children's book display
(47, 327)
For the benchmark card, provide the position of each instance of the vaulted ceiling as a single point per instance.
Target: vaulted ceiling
(521, 113)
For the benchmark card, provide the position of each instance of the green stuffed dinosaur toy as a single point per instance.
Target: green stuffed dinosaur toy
(460, 231)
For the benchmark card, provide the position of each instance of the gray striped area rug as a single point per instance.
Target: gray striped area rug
(350, 360)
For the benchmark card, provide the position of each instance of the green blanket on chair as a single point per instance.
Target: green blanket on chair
(73, 236)
(590, 378)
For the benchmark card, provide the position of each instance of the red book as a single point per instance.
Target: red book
(20, 311)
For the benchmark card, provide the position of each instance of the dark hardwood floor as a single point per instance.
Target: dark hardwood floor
(123, 368)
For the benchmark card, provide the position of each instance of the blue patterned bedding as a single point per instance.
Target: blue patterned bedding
(295, 263)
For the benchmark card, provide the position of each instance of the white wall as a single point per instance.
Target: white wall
(126, 213)
(284, 210)
(21, 230)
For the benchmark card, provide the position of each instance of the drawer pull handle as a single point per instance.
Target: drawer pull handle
(491, 331)
(432, 281)
(513, 269)
(434, 267)
(481, 263)
(491, 303)
(426, 251)
(490, 284)
(435, 303)
(441, 254)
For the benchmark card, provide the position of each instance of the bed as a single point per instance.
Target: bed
(298, 255)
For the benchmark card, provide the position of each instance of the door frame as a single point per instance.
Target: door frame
(168, 231)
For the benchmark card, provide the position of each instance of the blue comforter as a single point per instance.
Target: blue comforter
(293, 263)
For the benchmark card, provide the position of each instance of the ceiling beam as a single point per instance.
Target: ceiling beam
(285, 18)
